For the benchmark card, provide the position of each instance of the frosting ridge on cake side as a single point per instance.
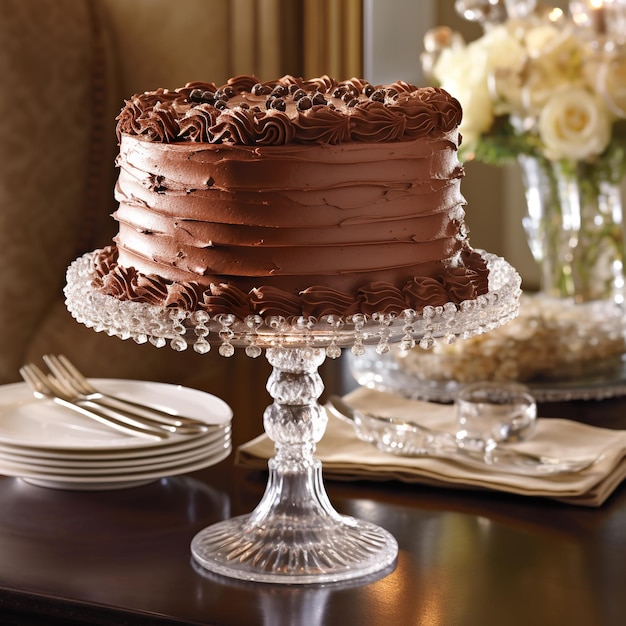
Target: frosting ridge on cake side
(291, 198)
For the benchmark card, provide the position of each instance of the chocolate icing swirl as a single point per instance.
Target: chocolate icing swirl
(474, 260)
(273, 128)
(267, 301)
(322, 84)
(318, 301)
(159, 125)
(402, 86)
(128, 119)
(235, 126)
(225, 298)
(197, 122)
(419, 116)
(318, 110)
(105, 261)
(322, 125)
(241, 83)
(355, 86)
(151, 290)
(121, 282)
(426, 291)
(379, 297)
(198, 84)
(447, 112)
(374, 122)
(183, 295)
(460, 284)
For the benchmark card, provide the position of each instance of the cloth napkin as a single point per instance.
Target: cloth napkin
(344, 456)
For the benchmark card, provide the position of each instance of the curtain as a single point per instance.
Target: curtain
(307, 38)
(333, 38)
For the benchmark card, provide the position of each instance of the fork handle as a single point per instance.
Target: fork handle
(145, 412)
(110, 421)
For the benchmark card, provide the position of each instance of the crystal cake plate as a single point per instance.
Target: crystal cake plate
(294, 535)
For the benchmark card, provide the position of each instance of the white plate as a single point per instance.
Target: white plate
(130, 479)
(28, 468)
(43, 424)
(95, 464)
(80, 456)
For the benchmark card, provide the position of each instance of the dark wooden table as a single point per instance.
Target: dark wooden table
(466, 557)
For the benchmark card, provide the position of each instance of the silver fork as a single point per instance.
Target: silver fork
(43, 386)
(74, 382)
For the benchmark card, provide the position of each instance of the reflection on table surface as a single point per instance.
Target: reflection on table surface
(466, 557)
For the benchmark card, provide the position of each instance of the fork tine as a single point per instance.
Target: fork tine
(84, 386)
(30, 379)
(75, 373)
(73, 379)
(62, 368)
(47, 383)
(59, 381)
(60, 374)
(31, 373)
(43, 385)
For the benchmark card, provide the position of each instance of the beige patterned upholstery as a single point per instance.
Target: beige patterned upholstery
(65, 68)
(44, 162)
(63, 82)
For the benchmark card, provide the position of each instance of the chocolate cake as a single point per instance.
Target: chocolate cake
(291, 197)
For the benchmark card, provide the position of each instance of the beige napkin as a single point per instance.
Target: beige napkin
(344, 456)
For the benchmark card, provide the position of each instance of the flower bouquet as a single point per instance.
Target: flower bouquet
(547, 88)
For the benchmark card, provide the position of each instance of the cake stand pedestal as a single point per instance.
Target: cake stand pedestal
(294, 535)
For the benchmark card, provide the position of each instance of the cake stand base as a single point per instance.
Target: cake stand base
(292, 539)
(294, 535)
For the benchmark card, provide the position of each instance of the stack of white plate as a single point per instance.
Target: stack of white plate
(49, 445)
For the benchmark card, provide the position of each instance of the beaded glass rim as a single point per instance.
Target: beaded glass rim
(180, 328)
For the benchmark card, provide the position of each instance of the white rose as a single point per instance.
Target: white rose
(542, 39)
(457, 73)
(574, 124)
(555, 60)
(502, 49)
(468, 72)
(609, 80)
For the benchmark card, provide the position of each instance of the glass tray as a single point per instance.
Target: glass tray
(384, 373)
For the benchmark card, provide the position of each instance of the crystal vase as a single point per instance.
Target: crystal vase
(574, 228)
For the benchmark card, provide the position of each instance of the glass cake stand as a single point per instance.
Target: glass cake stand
(294, 535)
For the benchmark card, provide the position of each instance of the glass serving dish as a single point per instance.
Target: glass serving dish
(294, 535)
(561, 350)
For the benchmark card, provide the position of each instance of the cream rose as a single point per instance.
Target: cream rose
(610, 81)
(555, 60)
(466, 72)
(574, 124)
(458, 73)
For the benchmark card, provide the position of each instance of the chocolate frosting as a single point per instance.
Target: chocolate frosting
(291, 197)
(320, 110)
(380, 297)
(226, 298)
(420, 292)
(197, 123)
(315, 301)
